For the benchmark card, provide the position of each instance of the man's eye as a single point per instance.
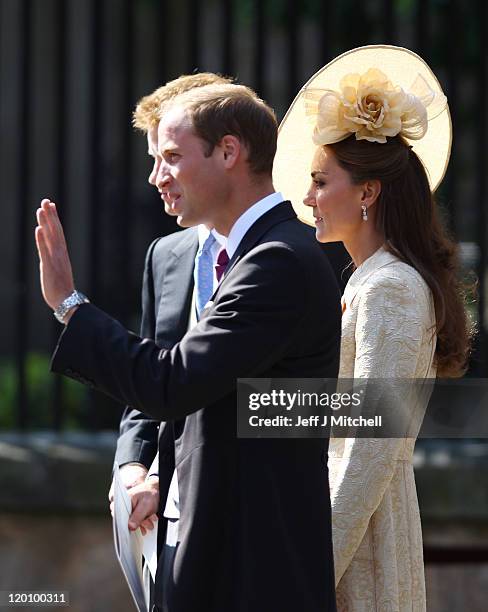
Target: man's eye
(173, 156)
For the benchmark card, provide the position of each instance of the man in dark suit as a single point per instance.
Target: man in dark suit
(166, 298)
(254, 532)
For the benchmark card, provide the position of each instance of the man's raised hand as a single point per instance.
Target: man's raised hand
(55, 266)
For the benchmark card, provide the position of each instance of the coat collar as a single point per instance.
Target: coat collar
(280, 212)
(378, 259)
(176, 290)
(188, 242)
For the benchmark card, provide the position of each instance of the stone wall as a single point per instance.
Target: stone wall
(56, 533)
(73, 553)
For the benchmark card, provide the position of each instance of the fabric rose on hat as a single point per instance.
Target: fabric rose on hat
(370, 107)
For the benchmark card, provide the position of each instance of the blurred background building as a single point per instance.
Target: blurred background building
(71, 72)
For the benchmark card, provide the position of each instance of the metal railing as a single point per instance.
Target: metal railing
(71, 73)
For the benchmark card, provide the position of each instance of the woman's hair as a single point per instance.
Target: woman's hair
(408, 218)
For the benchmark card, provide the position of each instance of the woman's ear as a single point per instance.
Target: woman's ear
(371, 192)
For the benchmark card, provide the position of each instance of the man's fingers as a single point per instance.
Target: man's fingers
(56, 223)
(53, 234)
(44, 217)
(46, 229)
(42, 221)
(141, 510)
(138, 515)
(149, 522)
(48, 217)
(41, 243)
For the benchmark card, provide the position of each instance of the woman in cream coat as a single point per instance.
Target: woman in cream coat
(403, 313)
(387, 328)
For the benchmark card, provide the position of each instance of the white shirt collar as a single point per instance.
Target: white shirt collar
(248, 218)
(203, 234)
(219, 238)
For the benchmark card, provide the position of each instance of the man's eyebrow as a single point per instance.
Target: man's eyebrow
(168, 151)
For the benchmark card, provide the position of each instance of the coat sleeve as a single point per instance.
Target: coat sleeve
(393, 316)
(254, 319)
(138, 434)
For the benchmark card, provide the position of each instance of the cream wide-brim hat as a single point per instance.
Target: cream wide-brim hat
(292, 166)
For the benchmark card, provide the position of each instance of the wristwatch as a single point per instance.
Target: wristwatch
(75, 299)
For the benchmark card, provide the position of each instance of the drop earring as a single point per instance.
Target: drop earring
(364, 213)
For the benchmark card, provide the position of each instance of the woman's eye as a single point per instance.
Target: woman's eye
(318, 183)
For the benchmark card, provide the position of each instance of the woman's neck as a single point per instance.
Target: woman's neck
(363, 247)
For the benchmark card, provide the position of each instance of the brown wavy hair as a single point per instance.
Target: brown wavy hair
(408, 217)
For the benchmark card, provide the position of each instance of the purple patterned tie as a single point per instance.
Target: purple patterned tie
(221, 265)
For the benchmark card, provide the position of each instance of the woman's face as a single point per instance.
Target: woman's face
(335, 200)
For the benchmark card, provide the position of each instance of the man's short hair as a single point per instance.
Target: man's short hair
(218, 110)
(146, 114)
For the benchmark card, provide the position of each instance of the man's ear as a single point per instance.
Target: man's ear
(231, 149)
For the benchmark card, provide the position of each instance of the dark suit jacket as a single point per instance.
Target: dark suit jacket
(166, 300)
(255, 532)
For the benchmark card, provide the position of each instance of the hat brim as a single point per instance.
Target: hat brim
(292, 166)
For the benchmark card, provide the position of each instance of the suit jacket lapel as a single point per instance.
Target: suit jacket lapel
(176, 291)
(278, 214)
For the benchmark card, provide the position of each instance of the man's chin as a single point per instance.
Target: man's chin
(185, 222)
(169, 211)
(182, 222)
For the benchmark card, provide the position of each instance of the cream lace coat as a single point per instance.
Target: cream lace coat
(386, 332)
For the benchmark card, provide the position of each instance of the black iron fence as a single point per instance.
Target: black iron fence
(70, 74)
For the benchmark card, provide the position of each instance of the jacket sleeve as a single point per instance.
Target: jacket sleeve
(253, 320)
(393, 316)
(138, 434)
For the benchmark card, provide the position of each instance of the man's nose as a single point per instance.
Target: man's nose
(154, 173)
(162, 176)
(309, 200)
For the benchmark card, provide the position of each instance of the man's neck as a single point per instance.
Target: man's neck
(240, 201)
